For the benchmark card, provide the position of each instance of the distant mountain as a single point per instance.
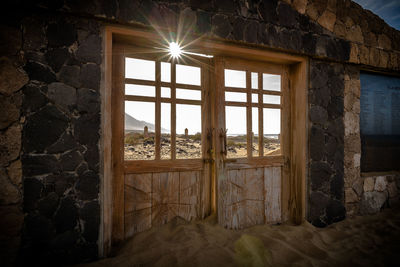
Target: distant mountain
(132, 124)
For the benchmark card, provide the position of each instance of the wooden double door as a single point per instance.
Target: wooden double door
(238, 172)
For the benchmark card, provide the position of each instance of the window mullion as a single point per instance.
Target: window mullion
(158, 111)
(249, 116)
(173, 110)
(260, 116)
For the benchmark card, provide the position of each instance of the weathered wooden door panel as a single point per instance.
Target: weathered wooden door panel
(250, 197)
(272, 191)
(249, 187)
(153, 199)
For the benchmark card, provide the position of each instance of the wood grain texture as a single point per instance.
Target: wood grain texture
(137, 221)
(189, 195)
(272, 189)
(117, 95)
(138, 189)
(244, 198)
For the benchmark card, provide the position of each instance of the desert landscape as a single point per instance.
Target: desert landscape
(372, 240)
(141, 146)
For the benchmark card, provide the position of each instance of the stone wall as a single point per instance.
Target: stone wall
(373, 194)
(12, 80)
(50, 127)
(372, 41)
(352, 140)
(49, 132)
(326, 144)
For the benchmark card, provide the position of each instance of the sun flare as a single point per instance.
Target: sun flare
(175, 50)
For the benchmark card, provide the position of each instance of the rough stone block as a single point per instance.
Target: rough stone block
(336, 187)
(317, 146)
(267, 10)
(10, 144)
(221, 26)
(318, 203)
(374, 56)
(66, 216)
(62, 95)
(43, 128)
(57, 57)
(87, 129)
(88, 185)
(48, 205)
(88, 101)
(33, 33)
(383, 59)
(372, 202)
(318, 115)
(39, 164)
(32, 192)
(357, 160)
(364, 54)
(9, 112)
(351, 123)
(354, 34)
(350, 196)
(11, 78)
(320, 175)
(70, 75)
(369, 184)
(70, 160)
(327, 20)
(380, 183)
(15, 172)
(33, 97)
(65, 143)
(354, 51)
(358, 186)
(40, 72)
(90, 213)
(90, 76)
(61, 33)
(384, 42)
(335, 212)
(9, 193)
(392, 189)
(90, 50)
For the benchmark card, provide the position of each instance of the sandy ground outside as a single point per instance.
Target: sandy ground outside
(372, 240)
(187, 148)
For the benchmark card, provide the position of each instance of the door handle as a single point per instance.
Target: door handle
(222, 136)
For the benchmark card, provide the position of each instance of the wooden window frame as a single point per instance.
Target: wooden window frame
(157, 164)
(111, 177)
(255, 67)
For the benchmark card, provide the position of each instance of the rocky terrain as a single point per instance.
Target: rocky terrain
(138, 147)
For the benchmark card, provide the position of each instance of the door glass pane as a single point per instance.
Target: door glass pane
(188, 94)
(254, 80)
(272, 131)
(165, 72)
(254, 124)
(140, 90)
(188, 131)
(188, 74)
(235, 122)
(235, 78)
(271, 99)
(139, 130)
(254, 98)
(235, 97)
(140, 69)
(165, 131)
(166, 92)
(271, 82)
